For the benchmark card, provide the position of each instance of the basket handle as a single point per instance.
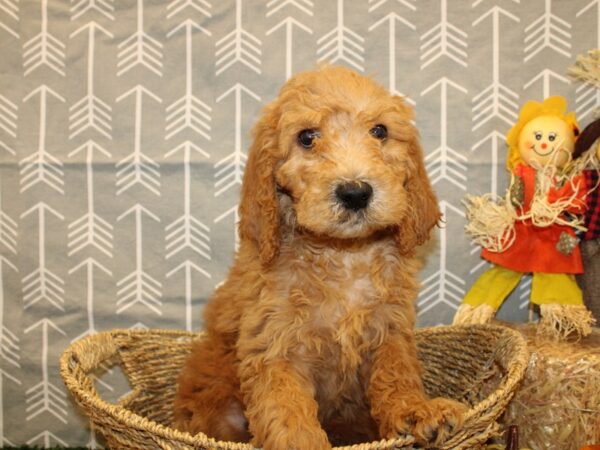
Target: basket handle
(88, 353)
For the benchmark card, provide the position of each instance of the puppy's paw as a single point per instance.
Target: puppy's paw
(431, 422)
(301, 440)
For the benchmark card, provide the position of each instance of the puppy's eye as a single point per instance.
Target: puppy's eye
(306, 137)
(379, 132)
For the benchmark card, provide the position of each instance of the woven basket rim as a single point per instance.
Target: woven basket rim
(515, 371)
(115, 410)
(70, 358)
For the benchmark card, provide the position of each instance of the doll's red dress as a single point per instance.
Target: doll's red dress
(536, 249)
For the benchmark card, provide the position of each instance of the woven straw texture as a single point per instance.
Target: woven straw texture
(479, 365)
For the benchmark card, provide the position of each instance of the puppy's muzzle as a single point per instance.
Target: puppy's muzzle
(354, 195)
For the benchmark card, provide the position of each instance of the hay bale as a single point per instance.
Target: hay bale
(557, 405)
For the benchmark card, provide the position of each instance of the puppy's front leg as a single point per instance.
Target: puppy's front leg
(280, 407)
(398, 400)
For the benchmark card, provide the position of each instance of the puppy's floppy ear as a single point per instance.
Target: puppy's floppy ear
(259, 215)
(423, 211)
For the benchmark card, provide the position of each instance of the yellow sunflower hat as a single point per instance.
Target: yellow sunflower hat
(552, 106)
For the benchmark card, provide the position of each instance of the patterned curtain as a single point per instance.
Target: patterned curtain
(123, 134)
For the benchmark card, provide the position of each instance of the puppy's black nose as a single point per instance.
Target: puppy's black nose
(354, 195)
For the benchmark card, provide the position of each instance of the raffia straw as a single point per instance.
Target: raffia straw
(467, 314)
(562, 321)
(587, 68)
(490, 223)
(587, 160)
(544, 213)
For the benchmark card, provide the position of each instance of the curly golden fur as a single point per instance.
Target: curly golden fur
(310, 339)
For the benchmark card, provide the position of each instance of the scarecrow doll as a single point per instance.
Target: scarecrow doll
(533, 229)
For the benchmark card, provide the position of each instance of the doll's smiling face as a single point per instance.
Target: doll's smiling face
(546, 140)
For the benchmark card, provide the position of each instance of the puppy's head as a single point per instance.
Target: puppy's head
(340, 155)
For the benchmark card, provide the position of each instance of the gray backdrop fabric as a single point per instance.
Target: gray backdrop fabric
(123, 134)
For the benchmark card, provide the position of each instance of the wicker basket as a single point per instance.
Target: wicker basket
(479, 365)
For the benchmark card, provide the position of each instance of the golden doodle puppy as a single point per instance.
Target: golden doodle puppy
(310, 340)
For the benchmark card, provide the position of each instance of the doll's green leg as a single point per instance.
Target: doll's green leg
(492, 287)
(558, 288)
(561, 305)
(486, 295)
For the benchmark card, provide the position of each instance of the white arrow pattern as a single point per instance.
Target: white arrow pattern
(231, 168)
(375, 4)
(444, 39)
(238, 46)
(288, 25)
(306, 6)
(494, 141)
(445, 163)
(41, 166)
(140, 49)
(588, 100)
(90, 229)
(8, 123)
(43, 284)
(497, 100)
(588, 96)
(89, 265)
(189, 112)
(442, 287)
(9, 341)
(46, 396)
(544, 78)
(177, 6)
(80, 7)
(9, 8)
(44, 49)
(234, 213)
(548, 31)
(187, 231)
(90, 111)
(481, 263)
(525, 292)
(587, 10)
(342, 45)
(139, 287)
(4, 375)
(124, 131)
(8, 116)
(477, 2)
(392, 19)
(138, 168)
(188, 269)
(46, 439)
(8, 229)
